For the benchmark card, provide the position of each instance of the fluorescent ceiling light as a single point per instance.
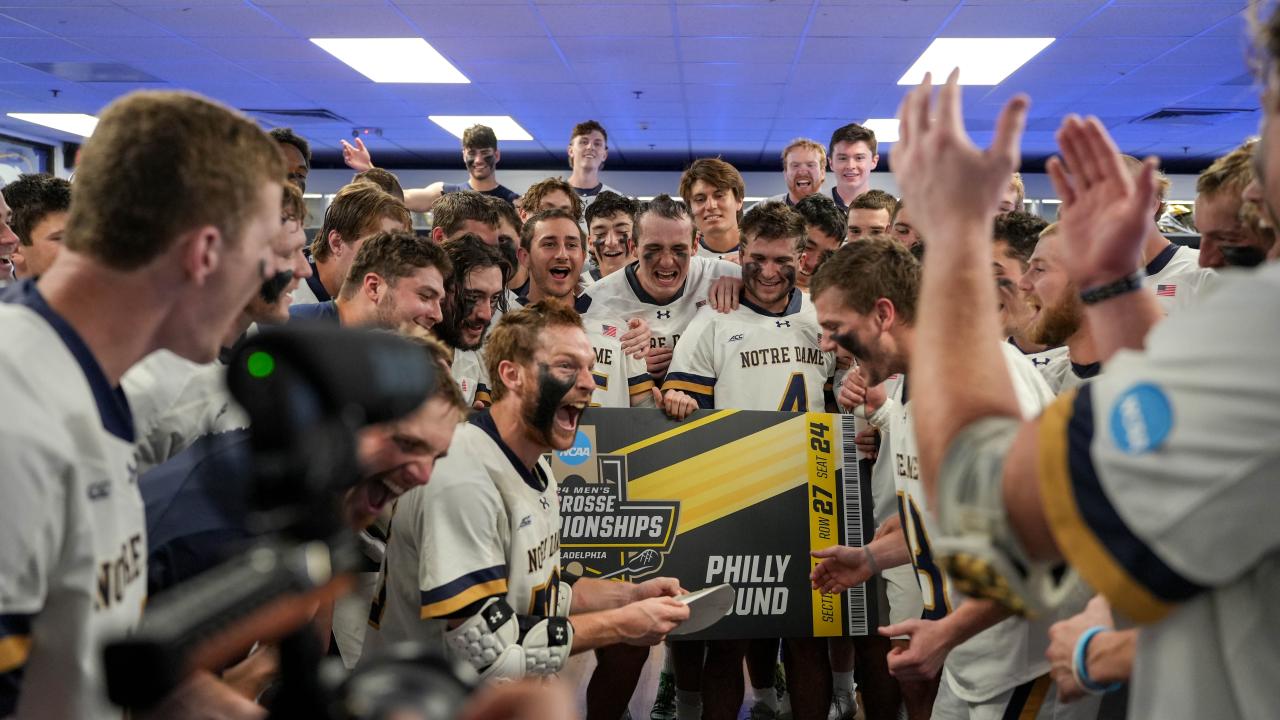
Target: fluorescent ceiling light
(982, 61)
(74, 123)
(886, 129)
(393, 60)
(504, 126)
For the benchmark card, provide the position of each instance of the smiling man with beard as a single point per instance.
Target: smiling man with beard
(473, 560)
(1057, 315)
(474, 294)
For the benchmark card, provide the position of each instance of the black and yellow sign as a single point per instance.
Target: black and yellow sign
(725, 496)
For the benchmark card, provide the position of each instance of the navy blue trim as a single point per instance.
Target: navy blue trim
(595, 273)
(905, 397)
(113, 406)
(1159, 262)
(638, 289)
(793, 305)
(835, 195)
(1018, 700)
(11, 682)
(15, 624)
(706, 401)
(589, 192)
(326, 311)
(501, 192)
(532, 477)
(1105, 523)
(702, 242)
(1086, 371)
(457, 586)
(317, 287)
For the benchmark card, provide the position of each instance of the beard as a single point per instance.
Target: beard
(385, 312)
(1058, 322)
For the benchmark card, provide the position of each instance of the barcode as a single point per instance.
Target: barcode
(851, 488)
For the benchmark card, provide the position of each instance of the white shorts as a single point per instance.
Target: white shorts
(903, 590)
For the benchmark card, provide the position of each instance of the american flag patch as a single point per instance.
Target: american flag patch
(610, 331)
(1166, 290)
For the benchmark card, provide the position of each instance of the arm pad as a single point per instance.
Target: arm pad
(500, 645)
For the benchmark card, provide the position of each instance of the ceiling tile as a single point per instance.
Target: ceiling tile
(740, 20)
(1153, 20)
(899, 20)
(738, 49)
(590, 19)
(343, 21)
(612, 49)
(86, 21)
(197, 21)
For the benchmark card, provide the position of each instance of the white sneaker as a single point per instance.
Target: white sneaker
(844, 706)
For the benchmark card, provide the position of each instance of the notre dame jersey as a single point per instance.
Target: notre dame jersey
(472, 376)
(618, 297)
(1176, 277)
(752, 359)
(618, 376)
(73, 547)
(1011, 652)
(483, 527)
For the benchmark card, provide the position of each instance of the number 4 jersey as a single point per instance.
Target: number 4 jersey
(752, 359)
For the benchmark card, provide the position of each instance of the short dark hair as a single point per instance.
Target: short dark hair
(394, 255)
(823, 213)
(587, 127)
(506, 211)
(32, 197)
(286, 136)
(453, 209)
(1020, 231)
(664, 206)
(608, 204)
(384, 179)
(852, 133)
(773, 220)
(531, 225)
(478, 137)
(875, 200)
(870, 269)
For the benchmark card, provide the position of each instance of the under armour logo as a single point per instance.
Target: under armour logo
(664, 314)
(559, 633)
(1039, 362)
(782, 323)
(545, 505)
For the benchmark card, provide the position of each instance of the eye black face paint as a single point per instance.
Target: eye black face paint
(274, 286)
(849, 342)
(551, 391)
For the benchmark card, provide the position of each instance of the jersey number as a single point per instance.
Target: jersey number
(929, 575)
(796, 397)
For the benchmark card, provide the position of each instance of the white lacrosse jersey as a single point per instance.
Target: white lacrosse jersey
(1011, 652)
(1061, 374)
(483, 527)
(618, 376)
(1176, 277)
(703, 250)
(471, 374)
(1159, 477)
(175, 402)
(73, 547)
(618, 297)
(753, 359)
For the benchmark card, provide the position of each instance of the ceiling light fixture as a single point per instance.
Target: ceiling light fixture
(74, 123)
(982, 61)
(886, 129)
(504, 126)
(393, 60)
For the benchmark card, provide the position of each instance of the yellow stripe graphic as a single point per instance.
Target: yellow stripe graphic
(823, 530)
(464, 598)
(684, 428)
(730, 478)
(13, 652)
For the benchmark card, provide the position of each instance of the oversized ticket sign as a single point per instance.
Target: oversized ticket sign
(726, 496)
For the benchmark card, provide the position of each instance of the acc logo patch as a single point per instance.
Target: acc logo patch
(1141, 419)
(579, 453)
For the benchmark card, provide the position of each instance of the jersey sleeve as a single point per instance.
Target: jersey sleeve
(693, 368)
(639, 381)
(1158, 477)
(462, 559)
(484, 394)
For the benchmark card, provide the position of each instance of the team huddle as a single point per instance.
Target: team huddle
(1032, 399)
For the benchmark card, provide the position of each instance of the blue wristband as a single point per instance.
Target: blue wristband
(1079, 662)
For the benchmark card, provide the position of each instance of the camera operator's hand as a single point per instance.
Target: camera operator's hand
(657, 587)
(204, 697)
(524, 700)
(251, 676)
(647, 622)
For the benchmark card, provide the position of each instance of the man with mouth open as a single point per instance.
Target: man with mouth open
(473, 559)
(665, 287)
(804, 168)
(611, 223)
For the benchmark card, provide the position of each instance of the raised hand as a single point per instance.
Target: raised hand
(947, 181)
(356, 156)
(1105, 214)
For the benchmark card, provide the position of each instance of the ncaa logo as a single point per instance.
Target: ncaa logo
(579, 453)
